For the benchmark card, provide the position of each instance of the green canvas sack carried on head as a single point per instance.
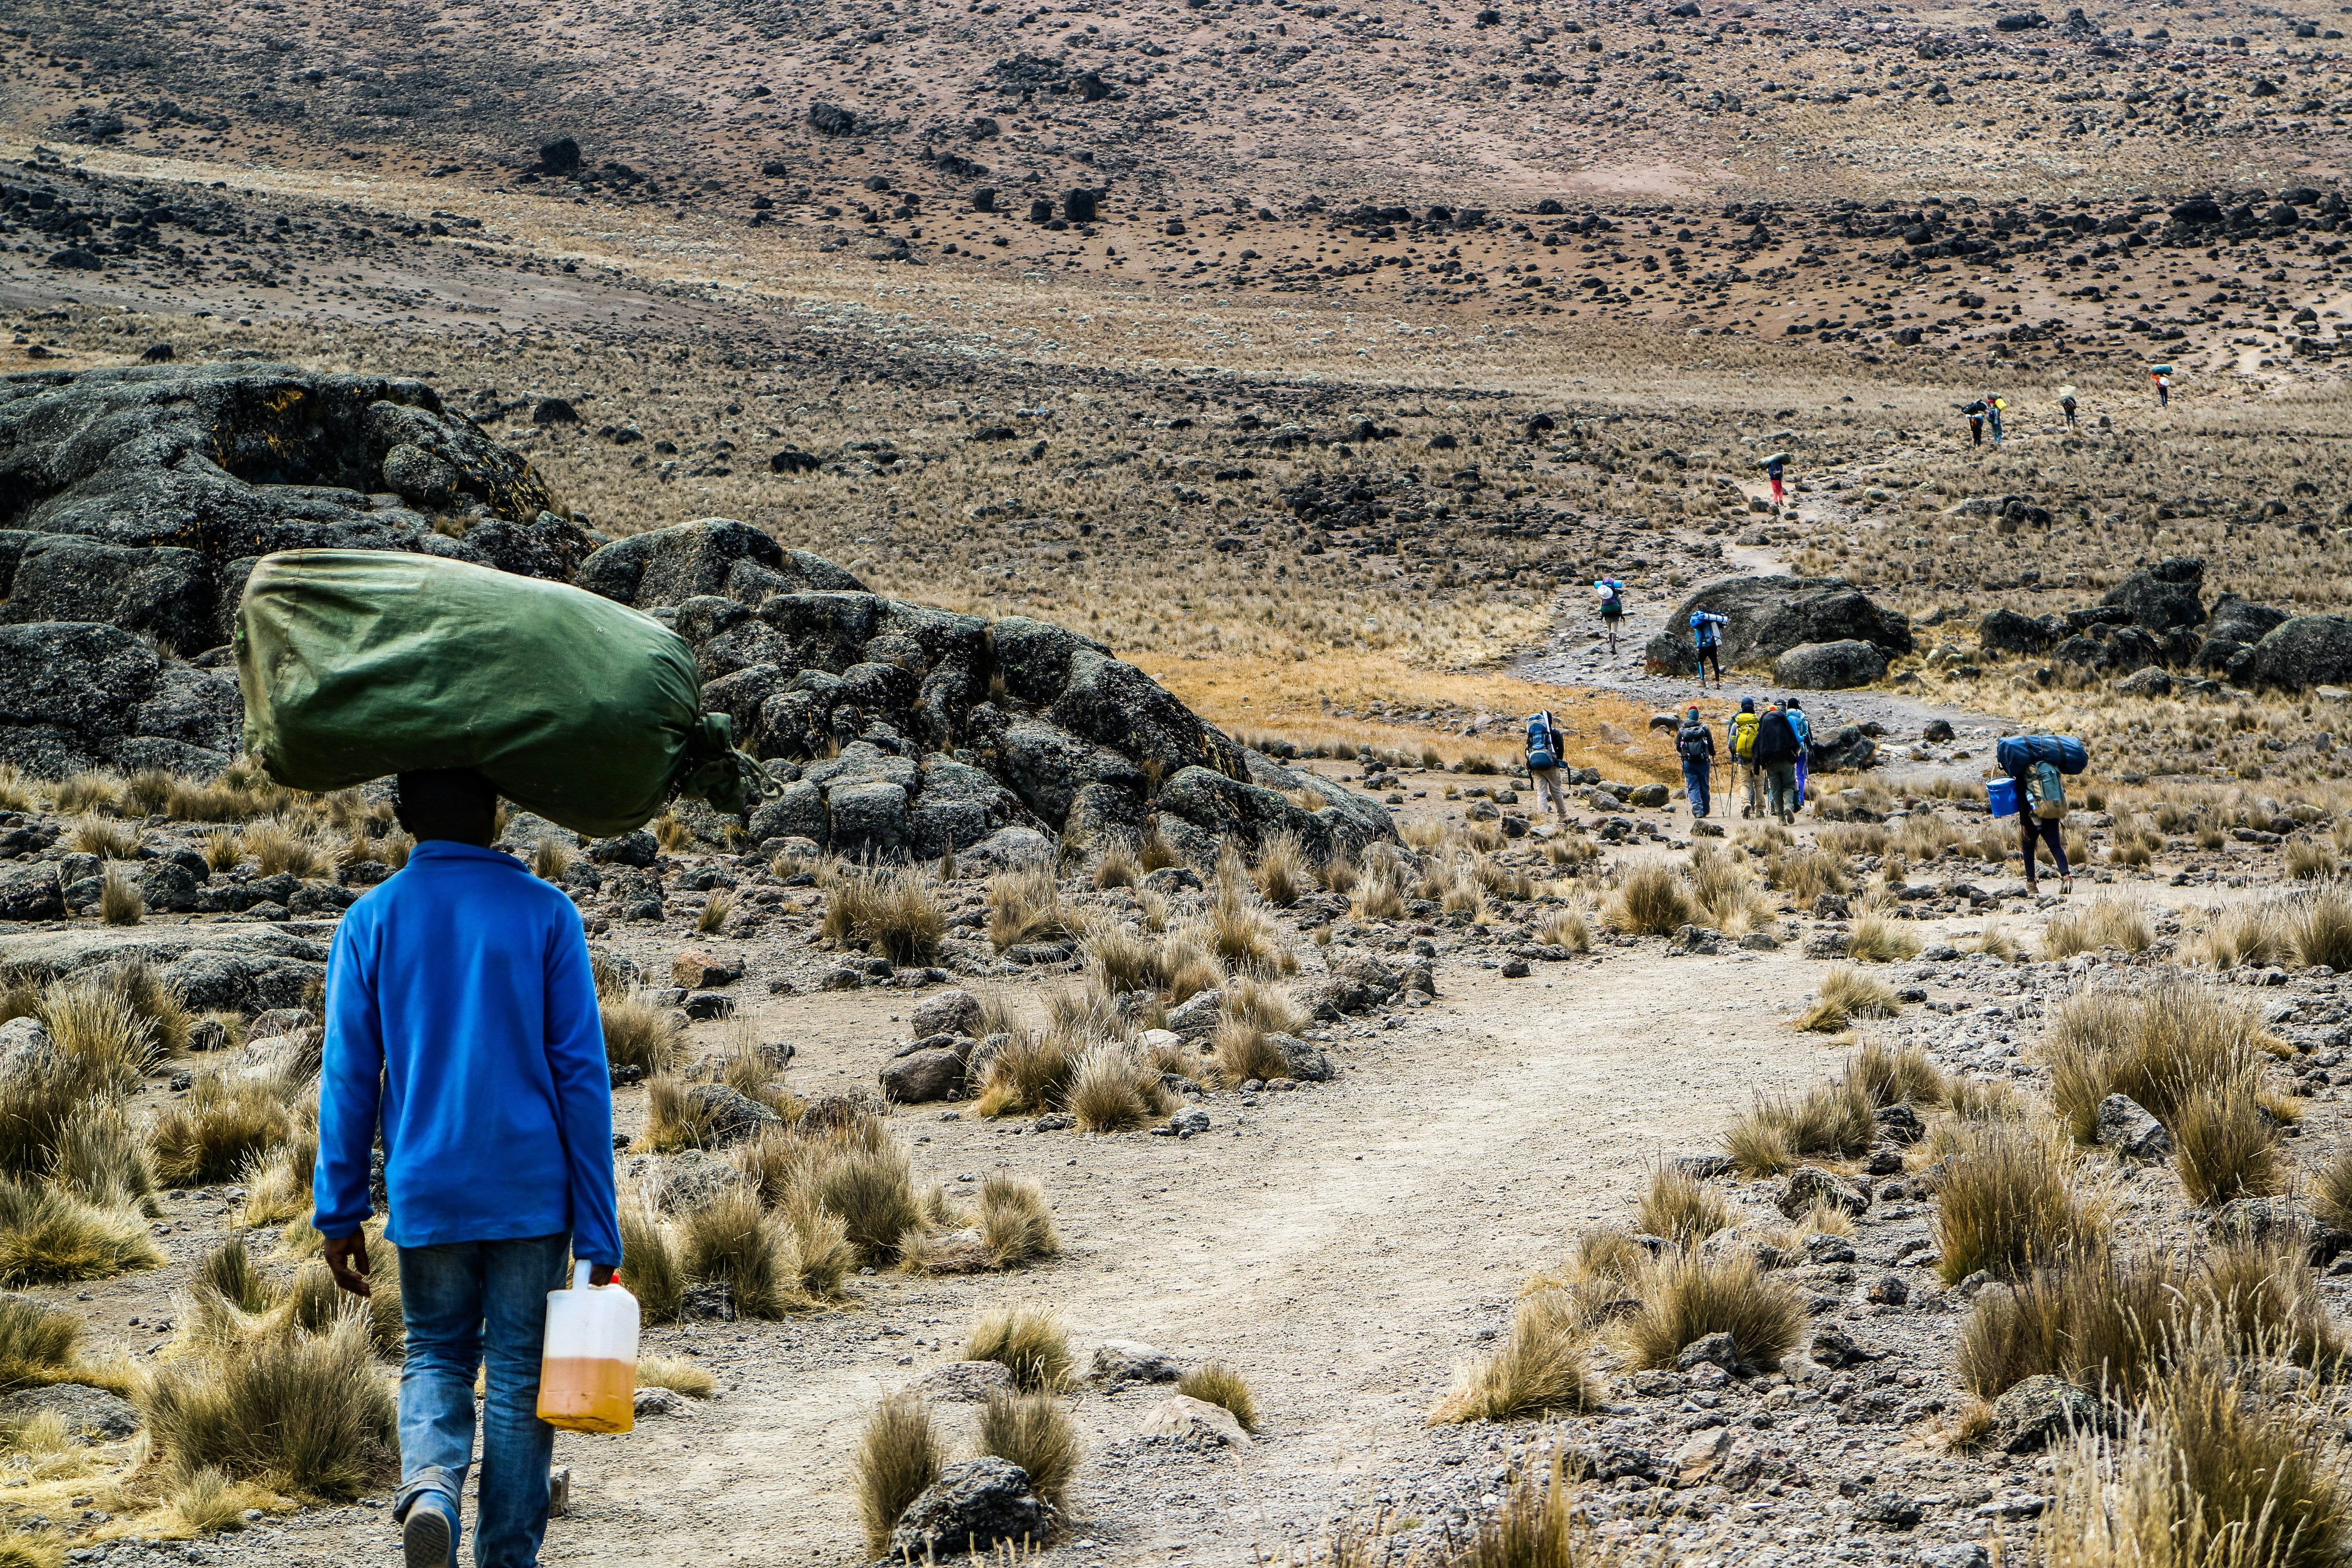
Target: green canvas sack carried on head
(356, 664)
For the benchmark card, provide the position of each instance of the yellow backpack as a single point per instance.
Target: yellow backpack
(1743, 734)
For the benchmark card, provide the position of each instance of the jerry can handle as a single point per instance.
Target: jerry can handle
(580, 1274)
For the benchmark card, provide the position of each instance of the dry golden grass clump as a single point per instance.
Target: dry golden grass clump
(899, 1455)
(2157, 1047)
(221, 1125)
(1024, 905)
(2117, 920)
(649, 1262)
(1832, 1120)
(2245, 934)
(37, 1344)
(1033, 1431)
(1032, 1344)
(1682, 1208)
(1015, 1224)
(299, 1413)
(2224, 1146)
(1653, 901)
(1686, 1296)
(893, 911)
(1544, 1367)
(1215, 1383)
(1284, 875)
(677, 1375)
(1846, 995)
(2319, 928)
(1114, 1089)
(1877, 940)
(2207, 1472)
(2007, 1204)
(639, 1035)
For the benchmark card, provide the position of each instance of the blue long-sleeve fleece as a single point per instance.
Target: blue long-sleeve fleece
(460, 1004)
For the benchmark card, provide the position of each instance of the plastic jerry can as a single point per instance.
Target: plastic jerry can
(588, 1369)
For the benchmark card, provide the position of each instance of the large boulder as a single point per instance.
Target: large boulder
(2238, 620)
(1766, 616)
(75, 695)
(2006, 631)
(225, 968)
(713, 556)
(2163, 597)
(2306, 651)
(229, 462)
(1829, 665)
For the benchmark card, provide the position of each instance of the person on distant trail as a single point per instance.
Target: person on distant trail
(1695, 744)
(1803, 726)
(1611, 593)
(2040, 810)
(1976, 413)
(2163, 379)
(1775, 751)
(2066, 405)
(462, 1029)
(1706, 631)
(1740, 732)
(1547, 747)
(1773, 467)
(1994, 409)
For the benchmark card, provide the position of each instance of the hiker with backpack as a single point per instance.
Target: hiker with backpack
(1803, 726)
(2066, 405)
(1994, 409)
(2035, 765)
(1774, 749)
(1976, 413)
(1706, 631)
(1774, 467)
(1695, 744)
(1547, 749)
(1740, 732)
(1611, 593)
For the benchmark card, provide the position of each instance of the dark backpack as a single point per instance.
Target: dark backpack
(1543, 743)
(1696, 741)
(2017, 755)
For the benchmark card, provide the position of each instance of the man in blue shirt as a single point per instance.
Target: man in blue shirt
(461, 1018)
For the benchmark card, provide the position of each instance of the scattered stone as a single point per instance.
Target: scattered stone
(966, 1382)
(2040, 1411)
(1131, 1361)
(1716, 1350)
(1195, 1421)
(974, 1505)
(1812, 1184)
(91, 1414)
(658, 1402)
(2126, 1127)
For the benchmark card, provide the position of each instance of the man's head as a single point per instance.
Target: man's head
(1690, 713)
(1748, 705)
(1794, 703)
(455, 804)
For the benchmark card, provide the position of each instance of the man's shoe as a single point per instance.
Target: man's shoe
(425, 1538)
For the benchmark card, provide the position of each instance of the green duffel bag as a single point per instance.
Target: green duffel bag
(359, 663)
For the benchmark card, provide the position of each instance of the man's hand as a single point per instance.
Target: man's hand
(347, 1260)
(601, 1273)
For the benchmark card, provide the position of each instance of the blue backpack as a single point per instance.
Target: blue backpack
(1542, 749)
(2017, 755)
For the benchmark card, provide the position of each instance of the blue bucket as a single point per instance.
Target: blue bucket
(2002, 794)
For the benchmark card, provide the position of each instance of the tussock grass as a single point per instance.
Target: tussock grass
(1024, 905)
(1690, 1295)
(1032, 1344)
(101, 1161)
(720, 903)
(1015, 1224)
(677, 1375)
(224, 849)
(2319, 928)
(37, 1343)
(1682, 1208)
(120, 901)
(99, 1025)
(2224, 1148)
(207, 1503)
(308, 1415)
(279, 846)
(2008, 1203)
(1846, 995)
(2308, 861)
(895, 912)
(1653, 901)
(649, 1262)
(871, 1186)
(1892, 1076)
(218, 1128)
(1239, 935)
(2206, 1474)
(1877, 940)
(47, 1235)
(1117, 867)
(1220, 1384)
(2117, 920)
(1543, 1368)
(551, 858)
(1807, 874)
(104, 837)
(86, 793)
(1830, 1120)
(150, 996)
(899, 1455)
(1285, 874)
(2245, 934)
(2157, 1047)
(1035, 1432)
(730, 1240)
(1030, 1074)
(1566, 928)
(1114, 1090)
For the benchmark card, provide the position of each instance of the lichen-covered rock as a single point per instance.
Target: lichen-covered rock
(2038, 1412)
(2162, 597)
(1812, 1184)
(974, 1505)
(2297, 654)
(712, 555)
(1766, 616)
(1829, 666)
(2126, 1126)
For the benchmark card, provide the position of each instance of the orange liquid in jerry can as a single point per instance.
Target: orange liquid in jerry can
(588, 1370)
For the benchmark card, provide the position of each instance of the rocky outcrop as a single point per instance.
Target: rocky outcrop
(2306, 651)
(712, 556)
(82, 694)
(2163, 597)
(2238, 620)
(149, 490)
(2006, 631)
(1829, 665)
(1767, 617)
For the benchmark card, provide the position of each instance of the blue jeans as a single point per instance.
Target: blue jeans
(464, 1306)
(1695, 785)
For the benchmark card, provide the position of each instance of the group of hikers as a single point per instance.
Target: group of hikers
(1769, 746)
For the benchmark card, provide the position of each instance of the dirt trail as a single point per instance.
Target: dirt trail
(1342, 1246)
